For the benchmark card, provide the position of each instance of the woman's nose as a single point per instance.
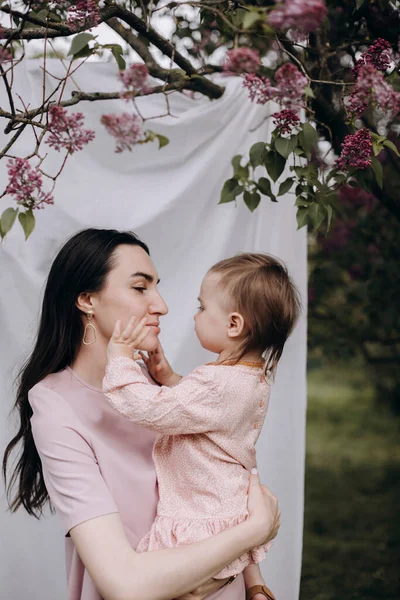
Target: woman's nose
(158, 306)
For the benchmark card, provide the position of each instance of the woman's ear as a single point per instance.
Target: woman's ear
(84, 302)
(236, 325)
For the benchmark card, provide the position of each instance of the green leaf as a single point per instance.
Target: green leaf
(302, 201)
(264, 185)
(378, 171)
(302, 217)
(86, 51)
(250, 18)
(117, 52)
(27, 220)
(285, 146)
(308, 139)
(236, 16)
(390, 145)
(309, 172)
(230, 190)
(79, 42)
(329, 211)
(299, 152)
(42, 14)
(257, 154)
(7, 220)
(316, 214)
(359, 3)
(274, 163)
(162, 140)
(251, 200)
(239, 171)
(377, 148)
(285, 186)
(119, 59)
(308, 92)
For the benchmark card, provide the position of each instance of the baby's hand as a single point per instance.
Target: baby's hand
(123, 343)
(159, 368)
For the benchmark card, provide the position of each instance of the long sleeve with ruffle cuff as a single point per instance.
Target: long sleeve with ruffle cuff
(191, 406)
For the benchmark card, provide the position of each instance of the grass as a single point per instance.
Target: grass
(352, 496)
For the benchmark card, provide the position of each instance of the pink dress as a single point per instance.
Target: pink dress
(94, 463)
(209, 423)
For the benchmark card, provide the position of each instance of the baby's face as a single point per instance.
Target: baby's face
(212, 319)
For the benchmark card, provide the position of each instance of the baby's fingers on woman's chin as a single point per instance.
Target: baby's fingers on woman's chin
(127, 332)
(117, 330)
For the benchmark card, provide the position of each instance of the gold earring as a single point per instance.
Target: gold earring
(89, 325)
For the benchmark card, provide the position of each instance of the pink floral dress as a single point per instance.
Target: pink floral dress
(208, 424)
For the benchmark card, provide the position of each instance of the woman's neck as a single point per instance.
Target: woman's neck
(91, 362)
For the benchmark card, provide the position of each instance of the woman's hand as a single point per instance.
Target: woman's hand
(264, 513)
(159, 368)
(205, 590)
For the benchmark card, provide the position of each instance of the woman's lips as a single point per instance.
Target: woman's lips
(155, 328)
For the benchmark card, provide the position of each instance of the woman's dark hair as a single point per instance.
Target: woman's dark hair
(82, 265)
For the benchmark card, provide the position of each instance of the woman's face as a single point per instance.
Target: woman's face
(130, 291)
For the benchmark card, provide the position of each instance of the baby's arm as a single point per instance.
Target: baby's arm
(159, 368)
(124, 343)
(191, 406)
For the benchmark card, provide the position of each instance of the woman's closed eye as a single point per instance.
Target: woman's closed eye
(200, 308)
(139, 289)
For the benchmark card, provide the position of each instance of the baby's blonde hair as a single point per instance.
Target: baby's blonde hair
(259, 287)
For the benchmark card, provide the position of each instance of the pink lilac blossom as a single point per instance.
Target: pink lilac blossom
(285, 121)
(289, 90)
(134, 80)
(83, 11)
(379, 55)
(303, 15)
(371, 87)
(356, 151)
(25, 184)
(66, 131)
(126, 128)
(260, 88)
(242, 60)
(291, 85)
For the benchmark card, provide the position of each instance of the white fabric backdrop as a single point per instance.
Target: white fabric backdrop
(169, 197)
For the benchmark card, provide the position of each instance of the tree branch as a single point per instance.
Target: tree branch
(26, 118)
(140, 47)
(108, 13)
(30, 18)
(200, 84)
(39, 33)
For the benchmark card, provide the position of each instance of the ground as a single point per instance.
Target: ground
(352, 494)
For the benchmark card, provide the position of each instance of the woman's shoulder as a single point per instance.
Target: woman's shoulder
(50, 395)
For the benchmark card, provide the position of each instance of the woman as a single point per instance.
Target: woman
(93, 465)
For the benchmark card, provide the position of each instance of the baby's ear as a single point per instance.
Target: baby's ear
(236, 325)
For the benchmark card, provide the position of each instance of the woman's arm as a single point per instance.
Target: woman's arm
(120, 573)
(253, 577)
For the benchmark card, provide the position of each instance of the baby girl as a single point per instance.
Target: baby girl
(210, 420)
